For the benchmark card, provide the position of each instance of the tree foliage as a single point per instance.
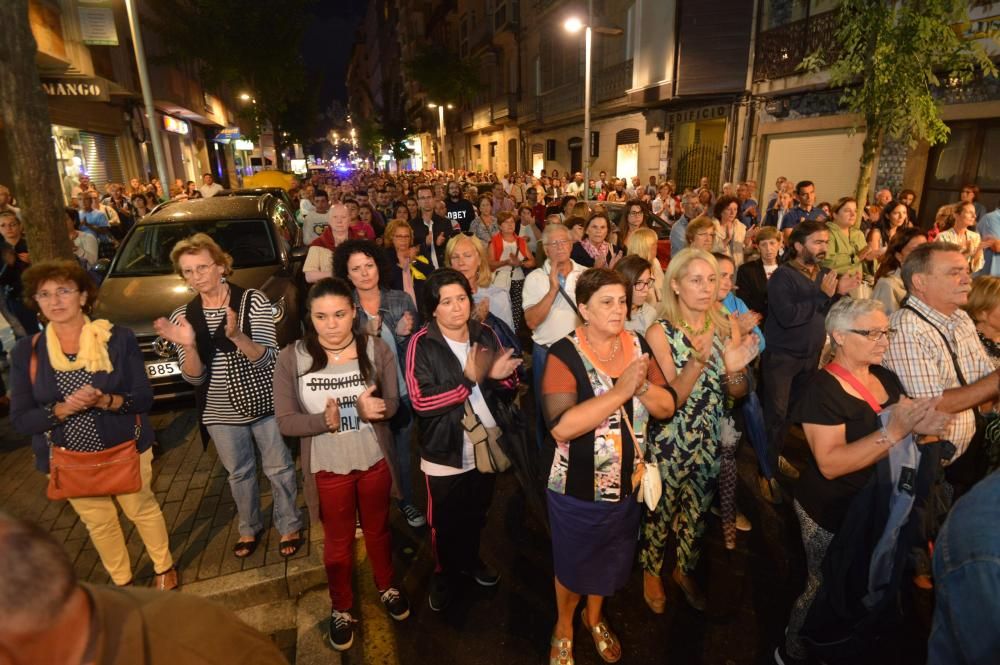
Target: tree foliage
(444, 76)
(252, 47)
(890, 57)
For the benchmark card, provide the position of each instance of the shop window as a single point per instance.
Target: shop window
(968, 157)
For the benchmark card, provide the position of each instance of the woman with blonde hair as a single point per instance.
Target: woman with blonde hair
(703, 356)
(700, 233)
(468, 255)
(408, 267)
(582, 210)
(509, 259)
(643, 243)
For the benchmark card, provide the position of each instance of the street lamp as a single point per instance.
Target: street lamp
(573, 25)
(245, 96)
(440, 108)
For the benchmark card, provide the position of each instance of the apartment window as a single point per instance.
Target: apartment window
(550, 149)
(595, 144)
(499, 14)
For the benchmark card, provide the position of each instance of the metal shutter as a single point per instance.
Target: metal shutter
(829, 158)
(102, 159)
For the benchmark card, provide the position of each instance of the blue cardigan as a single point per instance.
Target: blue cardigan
(128, 379)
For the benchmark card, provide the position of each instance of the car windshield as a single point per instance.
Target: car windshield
(147, 249)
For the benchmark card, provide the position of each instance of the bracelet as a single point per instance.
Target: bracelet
(884, 437)
(735, 379)
(643, 389)
(111, 400)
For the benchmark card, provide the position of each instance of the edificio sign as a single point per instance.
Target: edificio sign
(694, 115)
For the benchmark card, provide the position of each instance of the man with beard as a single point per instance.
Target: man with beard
(460, 211)
(799, 294)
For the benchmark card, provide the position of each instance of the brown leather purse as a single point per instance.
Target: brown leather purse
(74, 474)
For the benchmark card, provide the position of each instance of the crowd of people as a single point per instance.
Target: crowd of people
(647, 341)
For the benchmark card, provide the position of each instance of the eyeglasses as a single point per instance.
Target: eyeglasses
(874, 334)
(197, 270)
(635, 212)
(60, 293)
(559, 244)
(642, 284)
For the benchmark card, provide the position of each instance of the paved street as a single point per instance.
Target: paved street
(750, 589)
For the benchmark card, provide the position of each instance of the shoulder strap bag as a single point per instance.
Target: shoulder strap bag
(74, 474)
(490, 456)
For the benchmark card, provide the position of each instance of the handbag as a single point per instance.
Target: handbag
(647, 484)
(113, 471)
(74, 474)
(490, 457)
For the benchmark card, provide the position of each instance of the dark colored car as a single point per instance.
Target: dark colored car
(140, 284)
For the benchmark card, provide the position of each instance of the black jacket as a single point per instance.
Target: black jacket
(751, 286)
(440, 225)
(438, 389)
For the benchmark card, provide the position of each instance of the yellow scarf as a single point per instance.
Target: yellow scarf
(93, 355)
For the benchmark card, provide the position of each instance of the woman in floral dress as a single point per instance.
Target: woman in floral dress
(703, 355)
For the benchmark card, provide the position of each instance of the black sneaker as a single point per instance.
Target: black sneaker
(396, 603)
(440, 592)
(485, 575)
(413, 516)
(341, 630)
(781, 657)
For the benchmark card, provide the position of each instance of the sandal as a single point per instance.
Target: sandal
(604, 639)
(244, 548)
(295, 544)
(565, 655)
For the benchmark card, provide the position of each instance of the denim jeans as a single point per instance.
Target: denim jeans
(234, 444)
(402, 434)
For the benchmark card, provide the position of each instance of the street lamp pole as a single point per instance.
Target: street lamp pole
(586, 105)
(444, 166)
(147, 92)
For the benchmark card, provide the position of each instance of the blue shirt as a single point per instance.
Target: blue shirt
(95, 218)
(678, 239)
(735, 305)
(989, 228)
(792, 218)
(748, 220)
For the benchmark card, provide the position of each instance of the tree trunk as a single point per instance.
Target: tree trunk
(24, 113)
(871, 147)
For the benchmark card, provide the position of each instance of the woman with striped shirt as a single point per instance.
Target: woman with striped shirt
(226, 346)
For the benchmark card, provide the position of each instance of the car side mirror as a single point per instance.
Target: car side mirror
(298, 254)
(102, 266)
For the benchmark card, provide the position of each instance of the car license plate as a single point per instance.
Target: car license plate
(154, 370)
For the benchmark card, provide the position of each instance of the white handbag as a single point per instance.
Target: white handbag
(647, 485)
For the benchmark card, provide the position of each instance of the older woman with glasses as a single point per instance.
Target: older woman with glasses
(226, 347)
(701, 234)
(839, 413)
(81, 386)
(408, 269)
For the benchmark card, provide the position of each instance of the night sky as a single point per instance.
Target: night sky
(327, 44)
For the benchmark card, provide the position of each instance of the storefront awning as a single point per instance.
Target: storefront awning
(227, 134)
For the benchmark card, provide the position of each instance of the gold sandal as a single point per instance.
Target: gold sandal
(565, 655)
(604, 639)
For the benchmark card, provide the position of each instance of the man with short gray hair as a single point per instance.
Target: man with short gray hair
(50, 617)
(936, 352)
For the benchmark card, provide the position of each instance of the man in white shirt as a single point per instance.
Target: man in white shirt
(209, 188)
(576, 187)
(315, 221)
(549, 301)
(319, 259)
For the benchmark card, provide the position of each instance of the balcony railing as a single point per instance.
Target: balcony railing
(504, 108)
(781, 50)
(612, 82)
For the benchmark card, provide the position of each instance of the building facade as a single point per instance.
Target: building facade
(801, 131)
(99, 125)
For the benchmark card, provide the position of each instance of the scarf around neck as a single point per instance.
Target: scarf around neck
(93, 354)
(595, 250)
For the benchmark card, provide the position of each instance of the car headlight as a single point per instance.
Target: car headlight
(278, 309)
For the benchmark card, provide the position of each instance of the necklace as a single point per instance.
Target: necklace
(222, 302)
(614, 348)
(692, 331)
(336, 353)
